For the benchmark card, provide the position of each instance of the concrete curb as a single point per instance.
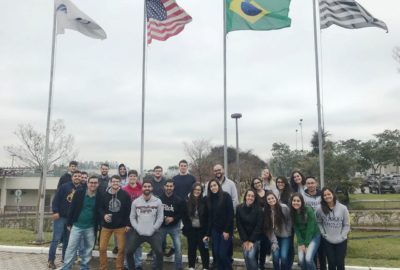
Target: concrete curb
(237, 261)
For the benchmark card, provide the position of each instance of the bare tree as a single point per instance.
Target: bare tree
(30, 150)
(198, 152)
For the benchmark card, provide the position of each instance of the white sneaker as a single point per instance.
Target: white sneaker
(191, 268)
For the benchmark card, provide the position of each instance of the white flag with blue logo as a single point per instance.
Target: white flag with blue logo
(70, 17)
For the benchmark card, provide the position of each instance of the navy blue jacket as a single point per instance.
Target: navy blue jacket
(62, 200)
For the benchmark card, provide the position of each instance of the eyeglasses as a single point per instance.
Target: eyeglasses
(280, 182)
(257, 183)
(197, 189)
(93, 183)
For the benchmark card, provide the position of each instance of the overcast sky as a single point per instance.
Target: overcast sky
(271, 80)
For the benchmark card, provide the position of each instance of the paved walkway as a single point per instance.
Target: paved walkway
(37, 261)
(35, 258)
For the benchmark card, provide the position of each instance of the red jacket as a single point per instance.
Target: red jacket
(135, 192)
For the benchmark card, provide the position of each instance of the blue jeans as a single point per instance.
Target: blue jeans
(250, 256)
(175, 233)
(280, 256)
(59, 231)
(221, 248)
(85, 252)
(306, 261)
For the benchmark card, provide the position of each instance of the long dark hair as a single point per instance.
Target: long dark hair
(194, 203)
(252, 183)
(324, 205)
(284, 195)
(302, 211)
(255, 203)
(278, 217)
(219, 195)
(294, 185)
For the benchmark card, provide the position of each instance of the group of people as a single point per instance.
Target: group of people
(271, 214)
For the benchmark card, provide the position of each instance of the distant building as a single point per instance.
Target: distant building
(29, 187)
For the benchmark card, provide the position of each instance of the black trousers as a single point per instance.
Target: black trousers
(134, 240)
(321, 255)
(265, 249)
(336, 254)
(195, 241)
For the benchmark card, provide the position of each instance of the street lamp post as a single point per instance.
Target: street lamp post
(301, 133)
(236, 116)
(297, 131)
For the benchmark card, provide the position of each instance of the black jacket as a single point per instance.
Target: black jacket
(65, 178)
(173, 207)
(249, 222)
(220, 215)
(119, 205)
(187, 221)
(76, 208)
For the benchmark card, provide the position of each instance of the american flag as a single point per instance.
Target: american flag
(165, 19)
(348, 14)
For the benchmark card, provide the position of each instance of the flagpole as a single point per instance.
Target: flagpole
(39, 237)
(317, 75)
(225, 109)
(143, 89)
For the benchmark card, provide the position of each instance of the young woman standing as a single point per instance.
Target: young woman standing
(285, 191)
(249, 220)
(265, 244)
(298, 182)
(195, 226)
(333, 222)
(278, 227)
(220, 224)
(306, 230)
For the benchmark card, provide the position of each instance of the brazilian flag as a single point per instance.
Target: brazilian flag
(257, 14)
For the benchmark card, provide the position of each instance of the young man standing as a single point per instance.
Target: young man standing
(312, 197)
(123, 173)
(60, 206)
(173, 211)
(158, 181)
(134, 189)
(147, 215)
(114, 213)
(183, 181)
(83, 223)
(104, 179)
(84, 178)
(67, 177)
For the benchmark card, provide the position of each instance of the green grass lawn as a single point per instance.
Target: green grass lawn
(376, 252)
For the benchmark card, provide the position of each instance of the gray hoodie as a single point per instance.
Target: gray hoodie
(147, 216)
(286, 230)
(312, 200)
(335, 225)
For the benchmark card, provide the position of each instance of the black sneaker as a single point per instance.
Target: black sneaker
(170, 252)
(115, 250)
(150, 254)
(51, 265)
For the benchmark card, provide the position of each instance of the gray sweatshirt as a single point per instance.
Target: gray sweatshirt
(312, 200)
(286, 229)
(147, 216)
(335, 225)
